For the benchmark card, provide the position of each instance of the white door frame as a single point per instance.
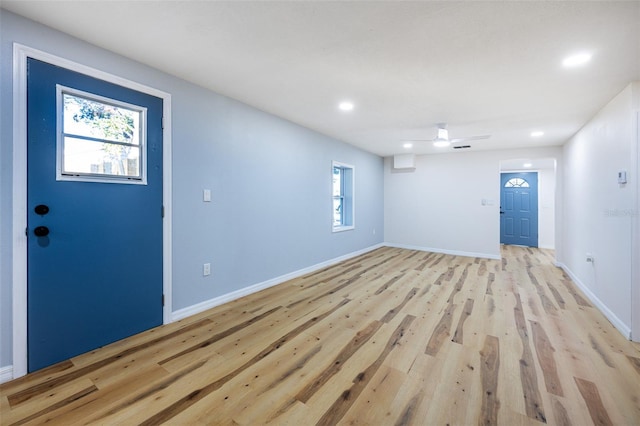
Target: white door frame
(635, 236)
(20, 55)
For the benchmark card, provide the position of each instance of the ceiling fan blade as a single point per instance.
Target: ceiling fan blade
(470, 138)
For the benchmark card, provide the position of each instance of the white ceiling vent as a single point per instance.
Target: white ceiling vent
(404, 161)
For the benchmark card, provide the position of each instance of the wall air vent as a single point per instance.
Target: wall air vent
(404, 162)
(462, 147)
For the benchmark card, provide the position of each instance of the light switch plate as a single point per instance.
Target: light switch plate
(206, 195)
(622, 176)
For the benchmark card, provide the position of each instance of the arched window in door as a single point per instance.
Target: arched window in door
(516, 183)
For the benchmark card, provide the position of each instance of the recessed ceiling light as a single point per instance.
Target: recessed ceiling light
(527, 165)
(441, 143)
(537, 134)
(576, 60)
(407, 145)
(346, 106)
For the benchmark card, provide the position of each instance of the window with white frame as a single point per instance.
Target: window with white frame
(99, 139)
(343, 196)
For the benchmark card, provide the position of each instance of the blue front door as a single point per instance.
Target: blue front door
(94, 200)
(519, 209)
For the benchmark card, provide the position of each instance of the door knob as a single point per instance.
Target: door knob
(41, 209)
(41, 231)
(501, 212)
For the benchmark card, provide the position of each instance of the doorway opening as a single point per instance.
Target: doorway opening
(545, 168)
(20, 57)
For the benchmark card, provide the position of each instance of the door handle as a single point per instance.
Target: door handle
(501, 212)
(41, 209)
(41, 231)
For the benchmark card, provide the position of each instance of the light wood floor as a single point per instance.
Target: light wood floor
(391, 337)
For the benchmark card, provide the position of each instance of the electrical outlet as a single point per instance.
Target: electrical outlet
(206, 269)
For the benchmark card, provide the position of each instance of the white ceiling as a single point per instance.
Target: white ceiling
(533, 164)
(482, 67)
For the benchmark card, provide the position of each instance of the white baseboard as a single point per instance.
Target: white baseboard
(225, 298)
(6, 373)
(443, 251)
(617, 323)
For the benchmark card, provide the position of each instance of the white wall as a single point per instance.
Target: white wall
(438, 206)
(600, 213)
(546, 208)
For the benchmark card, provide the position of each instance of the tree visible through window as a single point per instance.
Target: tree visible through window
(342, 189)
(99, 138)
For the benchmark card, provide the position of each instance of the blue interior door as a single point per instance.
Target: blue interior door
(94, 236)
(519, 209)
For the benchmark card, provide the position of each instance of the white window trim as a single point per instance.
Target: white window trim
(90, 177)
(342, 228)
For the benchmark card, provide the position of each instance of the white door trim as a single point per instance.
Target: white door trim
(20, 55)
(635, 236)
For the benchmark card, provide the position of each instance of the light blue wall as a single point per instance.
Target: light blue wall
(270, 182)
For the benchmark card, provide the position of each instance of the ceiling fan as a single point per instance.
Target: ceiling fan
(442, 140)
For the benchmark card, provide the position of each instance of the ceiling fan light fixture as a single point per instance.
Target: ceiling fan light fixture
(441, 143)
(443, 134)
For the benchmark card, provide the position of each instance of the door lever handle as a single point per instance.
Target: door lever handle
(501, 212)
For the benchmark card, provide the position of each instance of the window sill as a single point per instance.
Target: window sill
(342, 228)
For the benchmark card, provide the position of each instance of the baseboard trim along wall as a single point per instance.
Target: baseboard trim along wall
(6, 373)
(617, 323)
(443, 251)
(225, 298)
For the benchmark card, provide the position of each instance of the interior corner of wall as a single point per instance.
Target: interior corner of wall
(635, 95)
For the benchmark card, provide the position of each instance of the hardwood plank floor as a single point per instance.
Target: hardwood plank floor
(392, 337)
